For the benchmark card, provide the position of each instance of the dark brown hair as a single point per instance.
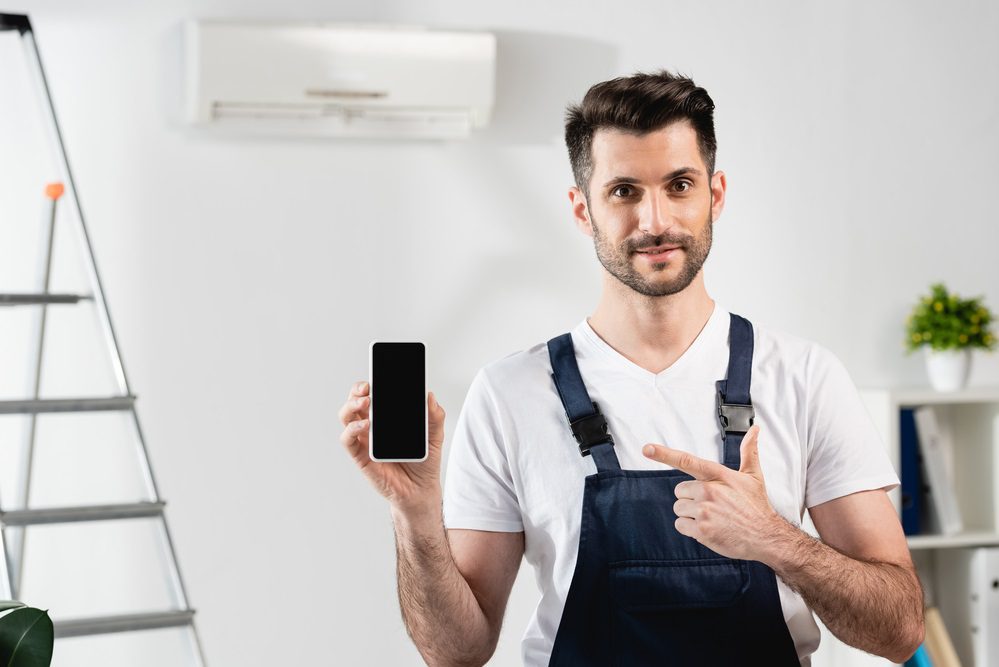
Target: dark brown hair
(639, 103)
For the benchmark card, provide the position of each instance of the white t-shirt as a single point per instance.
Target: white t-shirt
(515, 466)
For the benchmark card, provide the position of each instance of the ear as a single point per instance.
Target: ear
(580, 211)
(718, 186)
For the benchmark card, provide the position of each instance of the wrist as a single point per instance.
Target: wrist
(781, 544)
(420, 518)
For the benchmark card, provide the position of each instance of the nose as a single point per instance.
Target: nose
(655, 215)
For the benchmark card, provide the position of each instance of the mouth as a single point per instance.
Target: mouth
(658, 253)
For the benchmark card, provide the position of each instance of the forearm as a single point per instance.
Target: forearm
(441, 613)
(872, 605)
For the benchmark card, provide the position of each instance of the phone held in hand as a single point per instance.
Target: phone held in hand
(398, 428)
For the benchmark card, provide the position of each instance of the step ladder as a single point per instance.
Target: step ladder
(14, 523)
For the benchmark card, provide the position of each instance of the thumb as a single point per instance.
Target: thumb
(749, 452)
(435, 421)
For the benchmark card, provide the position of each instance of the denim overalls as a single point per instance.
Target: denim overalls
(642, 593)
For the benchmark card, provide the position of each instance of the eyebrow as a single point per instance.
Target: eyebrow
(682, 171)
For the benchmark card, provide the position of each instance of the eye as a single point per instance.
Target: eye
(617, 189)
(688, 185)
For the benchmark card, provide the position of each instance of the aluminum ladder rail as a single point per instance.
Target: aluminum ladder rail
(11, 565)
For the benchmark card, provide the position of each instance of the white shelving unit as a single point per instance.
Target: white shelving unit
(971, 418)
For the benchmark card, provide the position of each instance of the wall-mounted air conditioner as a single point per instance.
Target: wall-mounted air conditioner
(334, 79)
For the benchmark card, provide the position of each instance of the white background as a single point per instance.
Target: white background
(247, 276)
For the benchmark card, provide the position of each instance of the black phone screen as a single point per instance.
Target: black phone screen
(398, 401)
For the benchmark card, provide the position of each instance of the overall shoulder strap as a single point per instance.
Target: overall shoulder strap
(735, 407)
(587, 423)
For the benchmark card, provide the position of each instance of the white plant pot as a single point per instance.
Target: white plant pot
(948, 369)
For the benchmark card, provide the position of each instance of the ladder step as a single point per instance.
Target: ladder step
(30, 406)
(78, 627)
(71, 514)
(25, 299)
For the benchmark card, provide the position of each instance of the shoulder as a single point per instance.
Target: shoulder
(519, 378)
(783, 354)
(516, 368)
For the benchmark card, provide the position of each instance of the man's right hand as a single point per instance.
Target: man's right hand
(409, 487)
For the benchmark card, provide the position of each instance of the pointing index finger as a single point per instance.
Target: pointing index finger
(699, 468)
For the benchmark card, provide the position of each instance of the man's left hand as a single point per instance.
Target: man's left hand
(726, 510)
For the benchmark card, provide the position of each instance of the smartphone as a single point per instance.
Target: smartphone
(398, 428)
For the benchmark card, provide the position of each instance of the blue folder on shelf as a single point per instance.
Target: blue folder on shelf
(909, 473)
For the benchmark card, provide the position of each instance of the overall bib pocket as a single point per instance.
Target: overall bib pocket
(650, 585)
(659, 609)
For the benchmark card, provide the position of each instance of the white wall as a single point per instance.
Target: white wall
(246, 277)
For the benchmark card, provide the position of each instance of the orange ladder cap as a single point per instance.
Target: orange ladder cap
(54, 190)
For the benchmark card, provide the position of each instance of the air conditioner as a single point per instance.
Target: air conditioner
(340, 80)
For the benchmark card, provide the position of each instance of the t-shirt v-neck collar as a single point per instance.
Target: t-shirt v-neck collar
(714, 327)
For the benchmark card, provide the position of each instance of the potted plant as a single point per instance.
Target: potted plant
(26, 635)
(947, 328)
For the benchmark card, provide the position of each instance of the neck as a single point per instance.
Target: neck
(652, 332)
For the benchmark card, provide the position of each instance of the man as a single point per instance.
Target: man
(654, 463)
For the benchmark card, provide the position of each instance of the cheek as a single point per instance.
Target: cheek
(620, 225)
(693, 213)
(611, 228)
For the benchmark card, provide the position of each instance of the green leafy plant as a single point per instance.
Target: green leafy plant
(944, 321)
(26, 636)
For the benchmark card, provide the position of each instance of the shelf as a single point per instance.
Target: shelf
(981, 538)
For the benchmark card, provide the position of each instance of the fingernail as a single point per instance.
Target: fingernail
(648, 450)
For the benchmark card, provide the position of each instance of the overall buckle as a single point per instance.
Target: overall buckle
(590, 430)
(735, 417)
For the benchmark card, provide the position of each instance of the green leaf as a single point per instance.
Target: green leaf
(10, 604)
(26, 638)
